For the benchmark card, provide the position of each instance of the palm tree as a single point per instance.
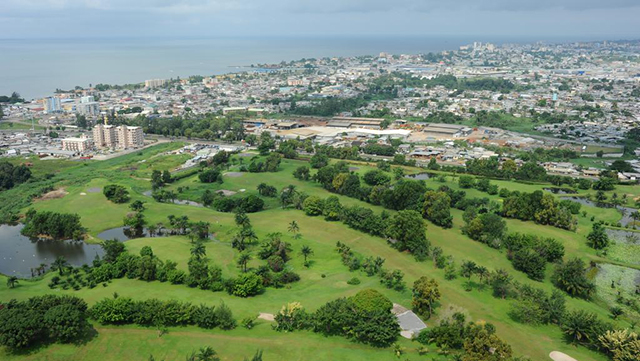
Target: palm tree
(204, 354)
(60, 264)
(12, 281)
(42, 269)
(243, 259)
(152, 230)
(198, 250)
(293, 227)
(306, 251)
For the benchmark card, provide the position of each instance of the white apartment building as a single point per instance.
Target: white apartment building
(79, 145)
(122, 137)
(154, 83)
(129, 137)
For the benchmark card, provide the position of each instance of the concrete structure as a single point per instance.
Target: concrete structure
(129, 137)
(78, 145)
(104, 136)
(52, 105)
(122, 137)
(447, 130)
(154, 83)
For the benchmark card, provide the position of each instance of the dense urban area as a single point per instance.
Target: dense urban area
(477, 204)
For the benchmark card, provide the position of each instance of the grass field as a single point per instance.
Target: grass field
(325, 280)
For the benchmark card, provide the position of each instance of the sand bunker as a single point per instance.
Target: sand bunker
(559, 356)
(267, 316)
(234, 174)
(94, 190)
(225, 192)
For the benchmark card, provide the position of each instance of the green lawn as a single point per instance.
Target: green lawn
(325, 280)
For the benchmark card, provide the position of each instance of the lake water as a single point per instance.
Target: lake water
(18, 254)
(36, 67)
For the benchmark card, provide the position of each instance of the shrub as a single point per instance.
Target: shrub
(116, 193)
(370, 300)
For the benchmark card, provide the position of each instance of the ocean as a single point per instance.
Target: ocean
(37, 67)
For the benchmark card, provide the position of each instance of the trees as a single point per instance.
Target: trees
(112, 248)
(487, 228)
(11, 175)
(60, 264)
(116, 193)
(294, 228)
(156, 179)
(302, 173)
(204, 354)
(436, 208)
(622, 345)
(306, 251)
(12, 281)
(65, 322)
(43, 318)
(485, 346)
(313, 206)
(407, 232)
(530, 262)
(266, 190)
(247, 285)
(466, 181)
(570, 277)
(243, 260)
(370, 300)
(210, 175)
(319, 160)
(582, 327)
(425, 293)
(598, 238)
(58, 226)
(376, 177)
(137, 206)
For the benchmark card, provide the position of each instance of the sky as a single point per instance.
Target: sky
(598, 19)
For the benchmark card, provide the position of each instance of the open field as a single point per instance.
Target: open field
(325, 280)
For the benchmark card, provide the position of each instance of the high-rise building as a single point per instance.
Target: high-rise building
(122, 137)
(52, 105)
(130, 137)
(154, 83)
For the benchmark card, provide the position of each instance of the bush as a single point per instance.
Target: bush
(116, 193)
(354, 281)
(370, 300)
(247, 284)
(210, 175)
(250, 204)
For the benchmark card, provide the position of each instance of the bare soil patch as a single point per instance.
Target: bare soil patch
(54, 194)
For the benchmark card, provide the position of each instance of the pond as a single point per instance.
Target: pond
(419, 176)
(19, 254)
(121, 234)
(556, 190)
(177, 201)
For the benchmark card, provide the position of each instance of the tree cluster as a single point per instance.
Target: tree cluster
(364, 318)
(58, 226)
(157, 313)
(47, 318)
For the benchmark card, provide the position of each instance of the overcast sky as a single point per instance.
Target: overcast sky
(612, 19)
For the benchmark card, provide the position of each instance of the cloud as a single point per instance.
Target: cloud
(35, 18)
